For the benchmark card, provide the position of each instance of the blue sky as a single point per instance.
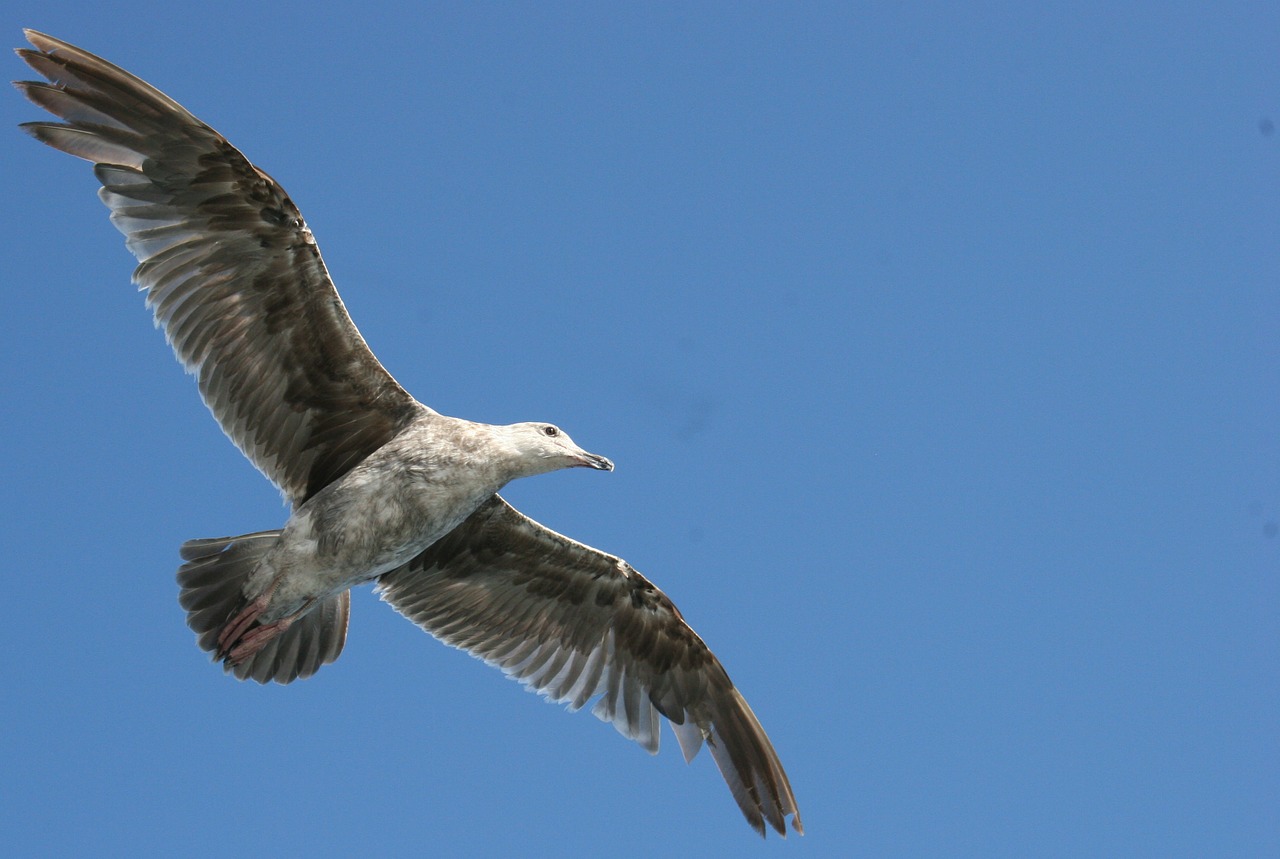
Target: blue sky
(938, 350)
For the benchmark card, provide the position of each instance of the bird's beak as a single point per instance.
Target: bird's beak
(590, 460)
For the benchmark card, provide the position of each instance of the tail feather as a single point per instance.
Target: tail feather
(214, 577)
(213, 583)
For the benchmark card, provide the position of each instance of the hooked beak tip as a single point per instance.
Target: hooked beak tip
(599, 463)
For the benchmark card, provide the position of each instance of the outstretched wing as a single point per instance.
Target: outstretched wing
(231, 272)
(573, 623)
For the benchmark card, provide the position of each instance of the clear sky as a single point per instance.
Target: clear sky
(938, 350)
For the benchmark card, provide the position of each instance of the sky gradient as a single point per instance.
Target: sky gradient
(938, 352)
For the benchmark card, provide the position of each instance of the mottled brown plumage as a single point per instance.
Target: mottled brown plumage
(383, 488)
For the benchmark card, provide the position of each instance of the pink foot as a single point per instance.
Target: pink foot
(240, 622)
(240, 639)
(251, 642)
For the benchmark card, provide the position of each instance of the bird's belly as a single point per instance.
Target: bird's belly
(328, 549)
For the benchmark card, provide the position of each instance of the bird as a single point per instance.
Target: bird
(382, 489)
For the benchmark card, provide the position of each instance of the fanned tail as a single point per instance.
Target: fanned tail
(213, 583)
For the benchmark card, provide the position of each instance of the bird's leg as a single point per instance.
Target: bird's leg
(238, 624)
(246, 644)
(256, 639)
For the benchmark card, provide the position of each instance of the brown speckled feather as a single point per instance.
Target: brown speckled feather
(231, 272)
(574, 623)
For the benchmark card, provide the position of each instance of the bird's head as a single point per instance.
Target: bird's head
(546, 447)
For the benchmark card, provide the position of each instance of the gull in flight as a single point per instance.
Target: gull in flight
(382, 488)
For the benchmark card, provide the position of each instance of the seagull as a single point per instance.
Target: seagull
(382, 489)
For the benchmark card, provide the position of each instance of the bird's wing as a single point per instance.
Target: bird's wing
(573, 623)
(231, 272)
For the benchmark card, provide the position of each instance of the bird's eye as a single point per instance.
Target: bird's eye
(551, 431)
